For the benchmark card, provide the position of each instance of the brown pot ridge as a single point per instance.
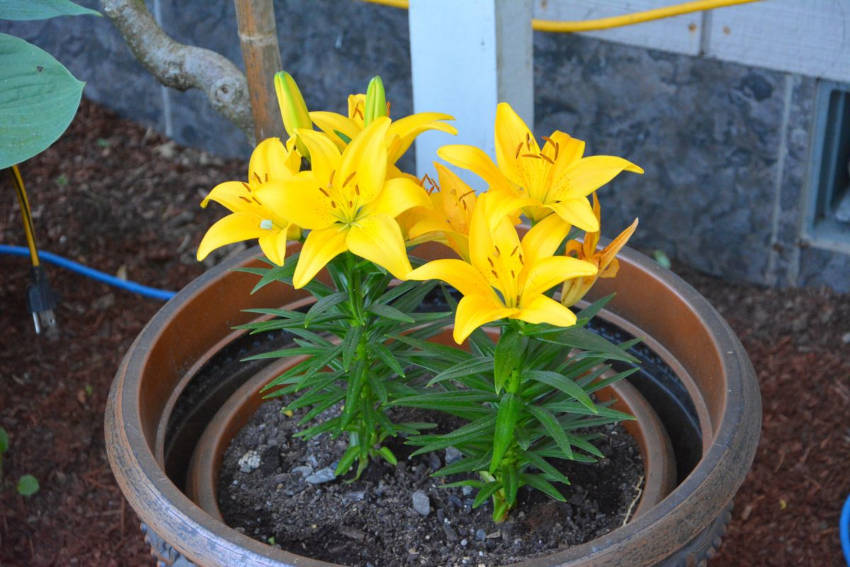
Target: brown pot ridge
(676, 323)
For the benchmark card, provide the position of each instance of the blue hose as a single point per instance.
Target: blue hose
(844, 530)
(133, 287)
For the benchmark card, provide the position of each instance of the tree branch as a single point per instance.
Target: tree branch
(182, 66)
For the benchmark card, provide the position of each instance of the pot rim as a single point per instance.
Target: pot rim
(681, 516)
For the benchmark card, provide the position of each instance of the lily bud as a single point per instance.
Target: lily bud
(292, 106)
(376, 100)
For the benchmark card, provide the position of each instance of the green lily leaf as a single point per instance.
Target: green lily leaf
(41, 9)
(38, 100)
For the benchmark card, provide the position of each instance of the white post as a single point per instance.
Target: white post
(466, 57)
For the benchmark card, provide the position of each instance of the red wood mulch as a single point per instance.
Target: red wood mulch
(116, 197)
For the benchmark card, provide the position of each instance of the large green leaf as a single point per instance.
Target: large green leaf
(38, 100)
(41, 9)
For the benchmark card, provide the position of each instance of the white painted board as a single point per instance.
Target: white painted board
(810, 38)
(679, 34)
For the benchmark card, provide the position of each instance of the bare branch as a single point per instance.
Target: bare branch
(182, 66)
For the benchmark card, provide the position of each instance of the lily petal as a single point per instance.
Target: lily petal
(544, 309)
(512, 139)
(299, 200)
(409, 127)
(273, 245)
(366, 158)
(378, 238)
(457, 273)
(234, 227)
(551, 271)
(544, 238)
(475, 160)
(230, 194)
(591, 173)
(610, 252)
(577, 212)
(399, 194)
(476, 310)
(330, 123)
(324, 155)
(270, 161)
(320, 247)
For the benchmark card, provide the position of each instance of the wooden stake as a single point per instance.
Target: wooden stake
(261, 53)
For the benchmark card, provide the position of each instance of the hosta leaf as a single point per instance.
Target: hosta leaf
(38, 99)
(41, 9)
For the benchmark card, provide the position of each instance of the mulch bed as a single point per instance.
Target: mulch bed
(117, 197)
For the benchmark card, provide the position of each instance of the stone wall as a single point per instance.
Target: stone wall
(725, 147)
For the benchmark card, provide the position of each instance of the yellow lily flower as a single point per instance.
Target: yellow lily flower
(557, 178)
(402, 131)
(251, 216)
(605, 260)
(446, 220)
(348, 204)
(506, 277)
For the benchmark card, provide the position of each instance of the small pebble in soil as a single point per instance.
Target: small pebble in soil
(249, 461)
(452, 455)
(321, 476)
(303, 470)
(421, 503)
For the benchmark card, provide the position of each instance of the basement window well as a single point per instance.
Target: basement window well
(828, 214)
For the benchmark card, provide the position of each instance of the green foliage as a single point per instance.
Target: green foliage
(523, 403)
(4, 446)
(38, 95)
(526, 406)
(27, 485)
(351, 355)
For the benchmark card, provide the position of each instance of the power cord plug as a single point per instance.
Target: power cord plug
(41, 300)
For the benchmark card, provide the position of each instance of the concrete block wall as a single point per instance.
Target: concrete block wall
(725, 147)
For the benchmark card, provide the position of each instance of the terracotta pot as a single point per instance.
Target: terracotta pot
(202, 476)
(705, 394)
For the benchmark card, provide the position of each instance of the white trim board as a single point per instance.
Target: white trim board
(810, 37)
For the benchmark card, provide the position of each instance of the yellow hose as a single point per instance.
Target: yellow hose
(26, 213)
(612, 22)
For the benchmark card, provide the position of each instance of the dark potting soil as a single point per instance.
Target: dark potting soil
(281, 490)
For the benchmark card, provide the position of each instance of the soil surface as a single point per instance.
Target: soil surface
(118, 198)
(281, 489)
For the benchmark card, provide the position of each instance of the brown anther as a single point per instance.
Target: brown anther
(515, 249)
(547, 139)
(357, 112)
(467, 194)
(333, 204)
(547, 158)
(518, 148)
(256, 201)
(535, 156)
(266, 176)
(521, 259)
(246, 186)
(489, 259)
(350, 204)
(498, 252)
(495, 275)
(513, 275)
(257, 177)
(325, 193)
(331, 177)
(347, 179)
(557, 150)
(246, 199)
(357, 189)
